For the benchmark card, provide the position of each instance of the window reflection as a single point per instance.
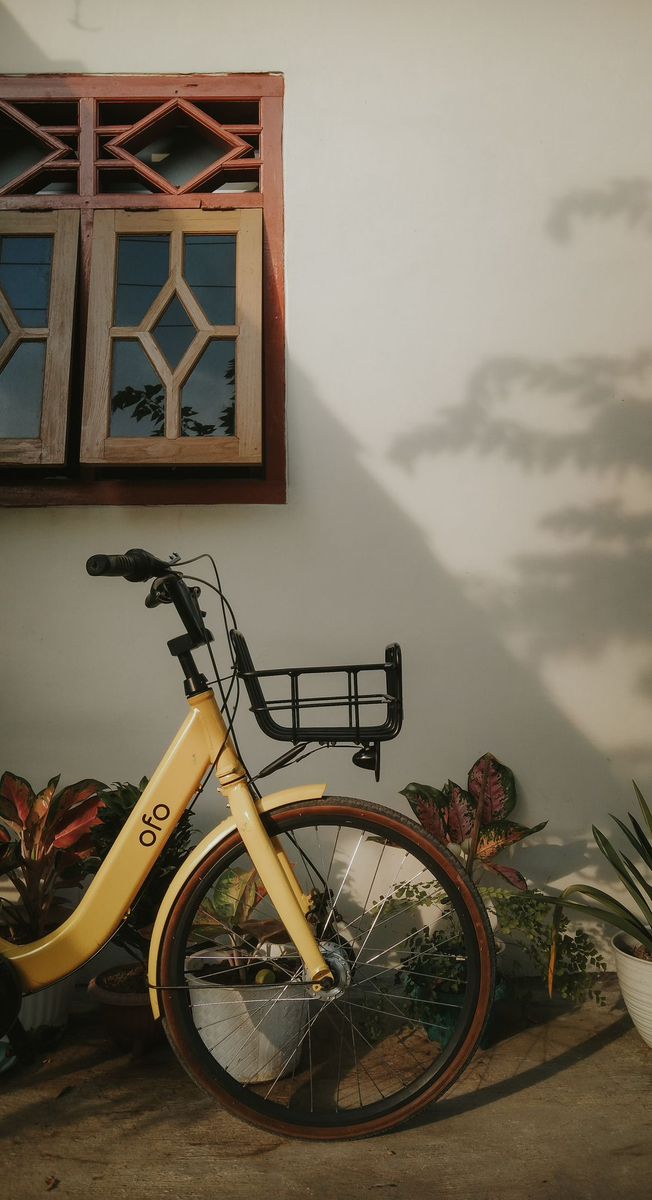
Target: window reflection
(143, 268)
(25, 272)
(209, 269)
(137, 394)
(208, 397)
(21, 391)
(174, 332)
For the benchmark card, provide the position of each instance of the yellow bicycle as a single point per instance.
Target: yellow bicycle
(321, 965)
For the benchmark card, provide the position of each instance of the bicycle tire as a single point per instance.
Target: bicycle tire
(336, 1113)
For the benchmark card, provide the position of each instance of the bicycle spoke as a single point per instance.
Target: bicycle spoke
(346, 876)
(382, 906)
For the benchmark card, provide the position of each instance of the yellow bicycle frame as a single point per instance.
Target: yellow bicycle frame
(201, 738)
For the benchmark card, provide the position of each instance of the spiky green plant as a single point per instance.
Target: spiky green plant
(638, 924)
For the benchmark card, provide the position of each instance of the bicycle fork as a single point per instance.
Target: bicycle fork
(277, 875)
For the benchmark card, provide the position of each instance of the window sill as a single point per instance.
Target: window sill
(140, 491)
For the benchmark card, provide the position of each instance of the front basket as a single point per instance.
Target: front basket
(304, 695)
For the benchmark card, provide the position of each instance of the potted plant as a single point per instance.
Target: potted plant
(475, 824)
(122, 991)
(240, 976)
(633, 941)
(45, 849)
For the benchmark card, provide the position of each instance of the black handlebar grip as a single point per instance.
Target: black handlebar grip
(136, 566)
(109, 564)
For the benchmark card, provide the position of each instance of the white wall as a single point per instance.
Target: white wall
(469, 287)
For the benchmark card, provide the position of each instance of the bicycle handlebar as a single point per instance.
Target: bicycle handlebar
(136, 566)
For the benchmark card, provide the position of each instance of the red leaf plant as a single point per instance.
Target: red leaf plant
(474, 820)
(45, 845)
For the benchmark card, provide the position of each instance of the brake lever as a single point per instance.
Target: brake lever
(158, 593)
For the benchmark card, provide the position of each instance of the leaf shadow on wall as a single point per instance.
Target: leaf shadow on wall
(590, 590)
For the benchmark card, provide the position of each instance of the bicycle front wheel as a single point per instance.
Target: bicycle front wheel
(407, 939)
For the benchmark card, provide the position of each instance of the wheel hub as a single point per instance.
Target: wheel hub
(336, 958)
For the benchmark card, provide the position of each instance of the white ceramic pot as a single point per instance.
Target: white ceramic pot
(253, 1031)
(635, 979)
(49, 1007)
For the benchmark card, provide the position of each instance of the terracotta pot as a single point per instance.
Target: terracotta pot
(127, 1016)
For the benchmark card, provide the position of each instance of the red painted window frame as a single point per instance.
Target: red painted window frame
(266, 485)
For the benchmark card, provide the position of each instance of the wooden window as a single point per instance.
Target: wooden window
(38, 260)
(177, 372)
(174, 352)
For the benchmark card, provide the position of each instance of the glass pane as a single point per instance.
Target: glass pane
(174, 332)
(19, 151)
(21, 391)
(209, 269)
(3, 331)
(137, 394)
(208, 398)
(143, 268)
(181, 151)
(25, 271)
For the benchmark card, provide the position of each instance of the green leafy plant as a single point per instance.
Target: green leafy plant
(602, 906)
(432, 974)
(225, 919)
(476, 825)
(116, 803)
(526, 920)
(474, 821)
(46, 846)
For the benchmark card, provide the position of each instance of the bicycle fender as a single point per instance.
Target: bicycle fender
(295, 795)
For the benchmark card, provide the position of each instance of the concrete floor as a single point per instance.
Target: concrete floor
(559, 1106)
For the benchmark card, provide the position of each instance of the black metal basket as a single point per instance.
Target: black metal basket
(347, 706)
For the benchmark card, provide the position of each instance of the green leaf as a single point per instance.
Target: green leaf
(605, 846)
(611, 912)
(18, 793)
(248, 899)
(430, 806)
(645, 809)
(644, 843)
(82, 819)
(36, 821)
(9, 815)
(510, 874)
(492, 785)
(10, 856)
(460, 813)
(233, 897)
(69, 799)
(498, 834)
(642, 848)
(640, 879)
